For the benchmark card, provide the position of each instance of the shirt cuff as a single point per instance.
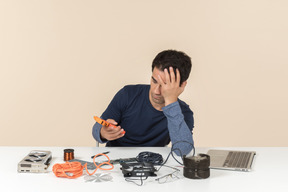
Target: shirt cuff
(97, 134)
(172, 109)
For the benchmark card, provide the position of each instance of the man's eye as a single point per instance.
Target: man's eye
(154, 80)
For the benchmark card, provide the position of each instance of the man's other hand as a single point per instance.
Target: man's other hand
(170, 85)
(111, 132)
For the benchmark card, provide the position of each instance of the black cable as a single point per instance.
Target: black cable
(157, 159)
(150, 157)
(175, 149)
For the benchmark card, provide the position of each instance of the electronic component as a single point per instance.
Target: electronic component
(68, 154)
(150, 157)
(123, 160)
(35, 162)
(197, 167)
(138, 169)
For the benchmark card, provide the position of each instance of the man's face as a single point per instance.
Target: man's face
(155, 88)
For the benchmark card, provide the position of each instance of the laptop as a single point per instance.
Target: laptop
(231, 160)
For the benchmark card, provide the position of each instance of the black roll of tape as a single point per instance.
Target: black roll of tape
(197, 167)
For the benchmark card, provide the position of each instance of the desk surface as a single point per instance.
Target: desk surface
(269, 172)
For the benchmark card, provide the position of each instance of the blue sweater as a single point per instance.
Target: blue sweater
(146, 126)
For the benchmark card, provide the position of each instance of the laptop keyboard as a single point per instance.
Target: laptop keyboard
(237, 159)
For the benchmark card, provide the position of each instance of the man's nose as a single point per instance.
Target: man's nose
(157, 90)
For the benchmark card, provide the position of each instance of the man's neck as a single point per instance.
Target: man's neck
(157, 106)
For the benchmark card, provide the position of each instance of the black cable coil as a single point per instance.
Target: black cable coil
(197, 167)
(150, 157)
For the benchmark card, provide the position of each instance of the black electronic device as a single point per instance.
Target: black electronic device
(140, 169)
(150, 157)
(197, 167)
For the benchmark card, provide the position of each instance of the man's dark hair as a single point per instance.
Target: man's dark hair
(175, 59)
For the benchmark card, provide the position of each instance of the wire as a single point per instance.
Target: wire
(74, 169)
(177, 149)
(157, 159)
(99, 166)
(69, 170)
(150, 157)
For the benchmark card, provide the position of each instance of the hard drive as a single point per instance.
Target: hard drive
(35, 162)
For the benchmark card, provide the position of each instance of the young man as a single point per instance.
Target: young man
(152, 115)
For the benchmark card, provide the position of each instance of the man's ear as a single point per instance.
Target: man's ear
(184, 83)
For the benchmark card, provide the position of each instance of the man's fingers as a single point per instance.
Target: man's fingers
(112, 129)
(112, 121)
(178, 77)
(112, 133)
(172, 75)
(160, 80)
(116, 135)
(167, 76)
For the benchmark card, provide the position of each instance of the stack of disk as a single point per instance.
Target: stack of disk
(197, 167)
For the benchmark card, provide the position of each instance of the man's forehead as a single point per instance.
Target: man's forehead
(156, 73)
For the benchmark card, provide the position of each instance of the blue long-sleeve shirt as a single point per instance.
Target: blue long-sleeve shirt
(146, 126)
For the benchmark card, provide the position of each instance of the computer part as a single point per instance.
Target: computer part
(35, 162)
(138, 169)
(231, 160)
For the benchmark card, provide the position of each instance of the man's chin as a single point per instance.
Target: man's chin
(158, 101)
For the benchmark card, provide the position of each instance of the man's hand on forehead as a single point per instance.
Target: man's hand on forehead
(172, 76)
(169, 76)
(170, 85)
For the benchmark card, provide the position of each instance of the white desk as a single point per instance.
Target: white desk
(270, 172)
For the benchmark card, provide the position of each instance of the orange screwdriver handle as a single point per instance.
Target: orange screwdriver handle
(105, 123)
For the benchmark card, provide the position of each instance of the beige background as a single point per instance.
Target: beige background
(62, 61)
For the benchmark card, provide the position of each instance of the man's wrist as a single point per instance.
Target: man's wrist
(168, 102)
(171, 105)
(101, 137)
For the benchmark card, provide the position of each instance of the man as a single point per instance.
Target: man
(152, 115)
